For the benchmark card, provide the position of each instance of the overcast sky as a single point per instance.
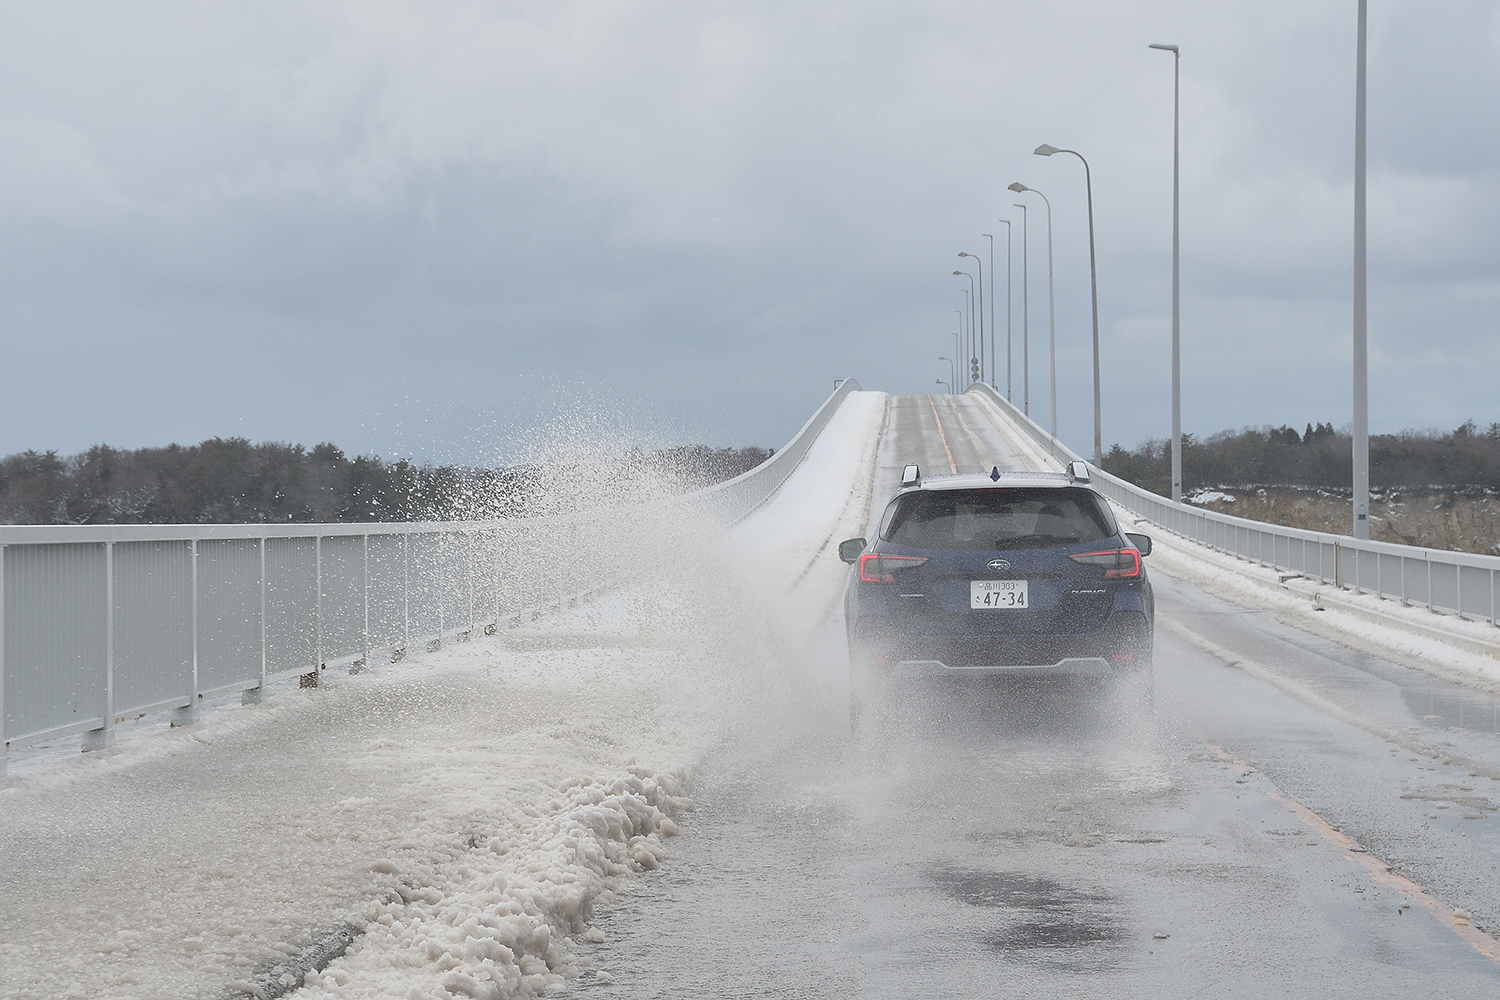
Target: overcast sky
(424, 229)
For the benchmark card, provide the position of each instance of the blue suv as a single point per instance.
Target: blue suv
(1005, 573)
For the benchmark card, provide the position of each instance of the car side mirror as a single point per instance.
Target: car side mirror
(1142, 543)
(850, 549)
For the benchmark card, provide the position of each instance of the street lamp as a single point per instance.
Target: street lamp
(1008, 307)
(1176, 279)
(1361, 296)
(945, 385)
(952, 368)
(1046, 150)
(1020, 188)
(958, 347)
(965, 322)
(979, 377)
(1025, 316)
(992, 307)
(966, 274)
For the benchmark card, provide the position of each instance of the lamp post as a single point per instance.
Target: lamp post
(1176, 277)
(1025, 316)
(979, 342)
(945, 385)
(952, 368)
(958, 347)
(971, 351)
(965, 322)
(1020, 188)
(1046, 150)
(992, 307)
(1361, 300)
(1008, 307)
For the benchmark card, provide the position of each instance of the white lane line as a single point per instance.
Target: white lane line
(946, 450)
(1319, 703)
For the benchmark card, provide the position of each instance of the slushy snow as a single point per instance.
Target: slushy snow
(460, 815)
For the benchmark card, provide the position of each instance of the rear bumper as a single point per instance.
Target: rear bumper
(1122, 644)
(1072, 666)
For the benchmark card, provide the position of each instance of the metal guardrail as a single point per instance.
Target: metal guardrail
(1457, 583)
(99, 624)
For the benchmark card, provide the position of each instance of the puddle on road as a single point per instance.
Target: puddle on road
(1442, 705)
(1057, 923)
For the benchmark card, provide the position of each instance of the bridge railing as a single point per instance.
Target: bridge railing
(1456, 583)
(100, 624)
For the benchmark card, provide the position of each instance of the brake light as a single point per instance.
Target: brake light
(876, 568)
(1119, 564)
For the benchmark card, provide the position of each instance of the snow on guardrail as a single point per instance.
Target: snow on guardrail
(1456, 583)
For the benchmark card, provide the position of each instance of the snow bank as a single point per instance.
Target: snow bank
(507, 914)
(1202, 497)
(463, 812)
(493, 909)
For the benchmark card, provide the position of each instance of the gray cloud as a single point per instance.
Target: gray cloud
(419, 229)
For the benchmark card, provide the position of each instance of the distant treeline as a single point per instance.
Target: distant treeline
(1320, 456)
(231, 481)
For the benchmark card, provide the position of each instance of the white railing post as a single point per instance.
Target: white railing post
(104, 736)
(4, 743)
(186, 715)
(365, 637)
(253, 696)
(406, 591)
(318, 609)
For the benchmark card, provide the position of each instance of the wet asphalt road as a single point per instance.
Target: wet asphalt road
(1009, 839)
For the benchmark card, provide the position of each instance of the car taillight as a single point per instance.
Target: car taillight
(1119, 564)
(875, 568)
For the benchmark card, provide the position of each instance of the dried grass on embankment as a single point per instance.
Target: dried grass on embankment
(1464, 519)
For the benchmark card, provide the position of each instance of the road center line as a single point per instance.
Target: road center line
(1455, 920)
(943, 437)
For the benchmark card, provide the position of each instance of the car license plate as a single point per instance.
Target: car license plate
(997, 594)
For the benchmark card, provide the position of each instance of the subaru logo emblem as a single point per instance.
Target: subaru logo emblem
(998, 564)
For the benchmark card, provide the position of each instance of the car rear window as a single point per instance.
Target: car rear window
(1027, 518)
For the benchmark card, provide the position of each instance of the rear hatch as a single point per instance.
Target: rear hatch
(1060, 597)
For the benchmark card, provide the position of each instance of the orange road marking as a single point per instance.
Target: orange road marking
(948, 451)
(1455, 920)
